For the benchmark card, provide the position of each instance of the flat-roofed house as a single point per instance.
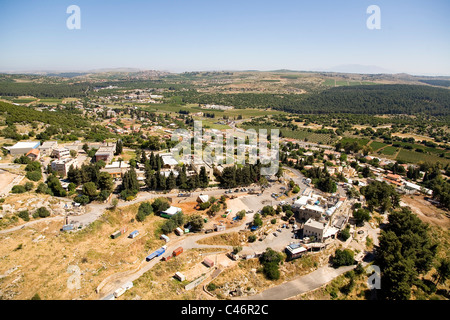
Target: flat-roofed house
(61, 153)
(314, 228)
(169, 162)
(105, 152)
(62, 165)
(47, 147)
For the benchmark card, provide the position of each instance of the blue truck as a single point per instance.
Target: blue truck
(157, 253)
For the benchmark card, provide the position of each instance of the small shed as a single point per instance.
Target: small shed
(165, 238)
(219, 227)
(208, 262)
(180, 276)
(134, 234)
(202, 198)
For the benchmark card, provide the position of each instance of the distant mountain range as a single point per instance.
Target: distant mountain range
(357, 68)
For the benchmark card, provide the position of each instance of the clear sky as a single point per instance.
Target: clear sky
(189, 35)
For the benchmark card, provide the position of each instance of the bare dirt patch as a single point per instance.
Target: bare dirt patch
(426, 211)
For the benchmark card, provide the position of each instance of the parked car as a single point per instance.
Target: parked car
(279, 230)
(275, 234)
(360, 231)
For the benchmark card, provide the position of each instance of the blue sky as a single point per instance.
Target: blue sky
(186, 35)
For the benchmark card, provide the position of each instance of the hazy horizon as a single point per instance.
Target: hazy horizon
(202, 35)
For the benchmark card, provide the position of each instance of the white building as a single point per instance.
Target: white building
(61, 153)
(314, 228)
(47, 147)
(170, 212)
(23, 147)
(62, 165)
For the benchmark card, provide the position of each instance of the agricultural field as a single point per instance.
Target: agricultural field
(375, 145)
(389, 150)
(415, 157)
(50, 101)
(361, 141)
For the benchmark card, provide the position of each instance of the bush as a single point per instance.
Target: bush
(273, 221)
(33, 166)
(204, 205)
(103, 195)
(267, 210)
(29, 186)
(42, 188)
(171, 224)
(24, 215)
(241, 214)
(144, 210)
(211, 287)
(251, 238)
(296, 189)
(270, 260)
(271, 271)
(343, 258)
(34, 175)
(81, 199)
(43, 212)
(345, 234)
(160, 204)
(18, 189)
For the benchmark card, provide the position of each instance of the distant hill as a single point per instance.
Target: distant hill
(369, 99)
(378, 99)
(439, 83)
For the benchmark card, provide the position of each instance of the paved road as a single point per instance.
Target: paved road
(300, 285)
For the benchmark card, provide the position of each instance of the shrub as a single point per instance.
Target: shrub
(273, 221)
(81, 199)
(34, 175)
(160, 204)
(204, 205)
(345, 234)
(29, 186)
(343, 258)
(33, 166)
(42, 188)
(43, 212)
(24, 215)
(251, 238)
(211, 287)
(270, 260)
(144, 210)
(241, 214)
(18, 189)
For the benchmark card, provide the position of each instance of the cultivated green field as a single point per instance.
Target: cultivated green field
(361, 142)
(415, 157)
(375, 145)
(23, 100)
(389, 150)
(329, 82)
(302, 135)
